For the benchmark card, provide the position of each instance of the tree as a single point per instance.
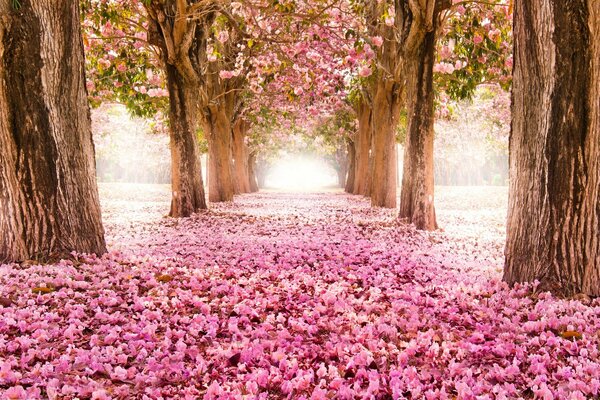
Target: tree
(477, 40)
(183, 43)
(554, 206)
(404, 33)
(385, 94)
(398, 44)
(129, 61)
(48, 192)
(331, 138)
(416, 199)
(351, 179)
(241, 156)
(362, 148)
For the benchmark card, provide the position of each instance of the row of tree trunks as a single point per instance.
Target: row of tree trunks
(187, 187)
(199, 94)
(49, 203)
(416, 200)
(554, 203)
(241, 156)
(406, 57)
(362, 147)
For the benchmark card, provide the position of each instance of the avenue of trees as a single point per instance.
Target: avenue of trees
(236, 74)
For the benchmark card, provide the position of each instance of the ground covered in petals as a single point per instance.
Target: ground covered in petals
(292, 295)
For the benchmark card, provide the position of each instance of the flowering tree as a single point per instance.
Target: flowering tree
(127, 62)
(337, 134)
(219, 49)
(310, 58)
(404, 33)
(400, 39)
(482, 42)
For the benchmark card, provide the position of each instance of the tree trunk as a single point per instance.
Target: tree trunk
(554, 203)
(384, 121)
(416, 201)
(340, 160)
(362, 181)
(252, 173)
(261, 178)
(350, 180)
(220, 170)
(186, 170)
(48, 194)
(342, 173)
(261, 173)
(240, 156)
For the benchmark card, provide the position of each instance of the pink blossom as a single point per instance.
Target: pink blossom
(364, 71)
(100, 394)
(15, 393)
(223, 36)
(377, 41)
(105, 63)
(319, 394)
(214, 390)
(223, 74)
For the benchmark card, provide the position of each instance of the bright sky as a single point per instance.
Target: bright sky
(301, 174)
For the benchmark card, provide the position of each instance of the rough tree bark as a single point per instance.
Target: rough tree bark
(384, 170)
(49, 203)
(416, 199)
(554, 203)
(252, 173)
(241, 155)
(404, 46)
(217, 125)
(179, 43)
(417, 194)
(350, 180)
(186, 170)
(385, 94)
(341, 165)
(362, 181)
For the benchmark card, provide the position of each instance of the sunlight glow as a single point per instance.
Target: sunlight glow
(298, 173)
